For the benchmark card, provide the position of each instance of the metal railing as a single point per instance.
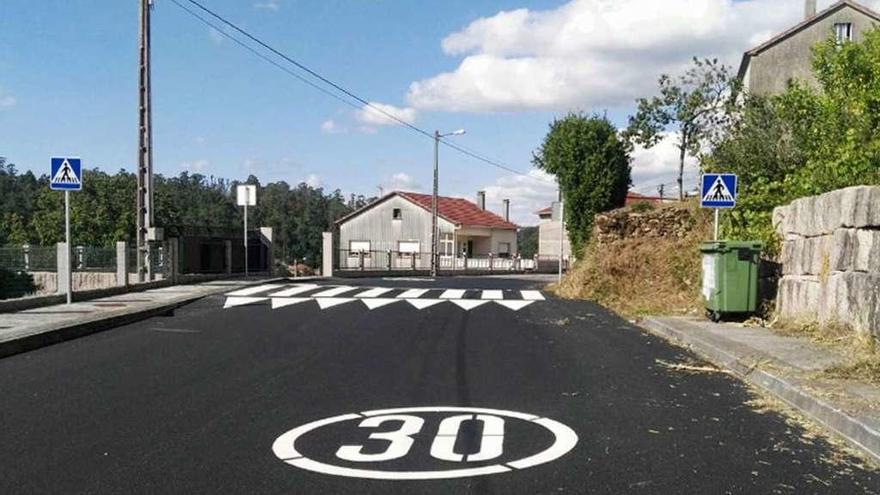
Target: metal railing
(390, 260)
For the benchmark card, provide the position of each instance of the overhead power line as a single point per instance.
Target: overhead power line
(362, 102)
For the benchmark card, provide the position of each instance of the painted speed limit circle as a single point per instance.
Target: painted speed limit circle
(384, 442)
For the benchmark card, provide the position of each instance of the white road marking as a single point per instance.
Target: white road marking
(424, 303)
(334, 292)
(378, 303)
(532, 295)
(280, 302)
(565, 440)
(412, 294)
(329, 302)
(297, 289)
(254, 290)
(492, 294)
(231, 302)
(514, 304)
(453, 294)
(468, 304)
(375, 292)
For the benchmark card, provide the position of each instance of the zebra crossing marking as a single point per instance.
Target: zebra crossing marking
(378, 303)
(335, 291)
(532, 295)
(296, 290)
(329, 297)
(254, 290)
(283, 302)
(413, 294)
(453, 294)
(492, 294)
(234, 301)
(374, 292)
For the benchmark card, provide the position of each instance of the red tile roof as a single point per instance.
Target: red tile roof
(459, 211)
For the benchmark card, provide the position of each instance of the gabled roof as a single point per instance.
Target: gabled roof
(458, 211)
(747, 56)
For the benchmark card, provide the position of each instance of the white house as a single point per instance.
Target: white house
(395, 232)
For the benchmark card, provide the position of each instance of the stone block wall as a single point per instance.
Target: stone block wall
(831, 258)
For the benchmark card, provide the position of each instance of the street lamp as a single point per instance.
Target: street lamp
(437, 138)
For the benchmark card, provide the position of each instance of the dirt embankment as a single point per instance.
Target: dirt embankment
(642, 261)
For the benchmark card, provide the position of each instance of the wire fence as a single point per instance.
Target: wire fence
(93, 259)
(29, 258)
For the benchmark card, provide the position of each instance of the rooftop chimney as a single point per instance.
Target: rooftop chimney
(481, 200)
(505, 210)
(809, 9)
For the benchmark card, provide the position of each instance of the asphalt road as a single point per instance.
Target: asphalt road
(535, 394)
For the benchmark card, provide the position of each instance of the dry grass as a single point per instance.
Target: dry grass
(860, 349)
(640, 276)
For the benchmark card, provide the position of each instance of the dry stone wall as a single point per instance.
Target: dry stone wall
(831, 258)
(661, 222)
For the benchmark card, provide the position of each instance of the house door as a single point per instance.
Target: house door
(470, 248)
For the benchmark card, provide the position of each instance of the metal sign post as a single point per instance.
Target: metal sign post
(718, 191)
(247, 196)
(66, 175)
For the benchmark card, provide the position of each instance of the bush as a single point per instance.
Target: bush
(15, 284)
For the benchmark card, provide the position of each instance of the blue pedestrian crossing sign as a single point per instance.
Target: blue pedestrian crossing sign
(718, 191)
(66, 174)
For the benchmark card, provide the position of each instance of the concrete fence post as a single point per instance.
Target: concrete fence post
(228, 257)
(389, 260)
(361, 260)
(327, 255)
(62, 273)
(122, 264)
(491, 262)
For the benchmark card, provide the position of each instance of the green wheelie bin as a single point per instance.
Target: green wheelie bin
(730, 277)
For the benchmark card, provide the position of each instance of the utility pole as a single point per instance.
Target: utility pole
(434, 205)
(434, 248)
(145, 145)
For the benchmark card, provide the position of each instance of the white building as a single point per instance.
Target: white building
(395, 232)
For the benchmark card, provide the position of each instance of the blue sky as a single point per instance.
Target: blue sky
(501, 69)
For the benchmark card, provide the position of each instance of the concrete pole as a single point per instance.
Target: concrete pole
(145, 144)
(122, 264)
(327, 255)
(434, 205)
(561, 233)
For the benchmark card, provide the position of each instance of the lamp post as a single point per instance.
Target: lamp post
(437, 138)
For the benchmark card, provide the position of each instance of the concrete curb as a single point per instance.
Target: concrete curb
(79, 329)
(854, 430)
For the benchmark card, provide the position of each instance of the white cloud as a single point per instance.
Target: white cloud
(592, 53)
(273, 5)
(195, 166)
(6, 100)
(313, 181)
(331, 127)
(526, 194)
(373, 115)
(401, 181)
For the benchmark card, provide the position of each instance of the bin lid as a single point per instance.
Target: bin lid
(724, 246)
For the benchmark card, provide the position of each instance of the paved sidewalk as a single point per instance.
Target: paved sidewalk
(789, 368)
(29, 329)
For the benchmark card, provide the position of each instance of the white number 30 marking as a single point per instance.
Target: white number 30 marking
(443, 447)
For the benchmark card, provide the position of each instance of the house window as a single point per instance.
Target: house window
(504, 250)
(843, 31)
(447, 246)
(407, 248)
(396, 214)
(355, 248)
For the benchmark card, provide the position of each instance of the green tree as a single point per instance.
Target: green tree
(692, 106)
(592, 165)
